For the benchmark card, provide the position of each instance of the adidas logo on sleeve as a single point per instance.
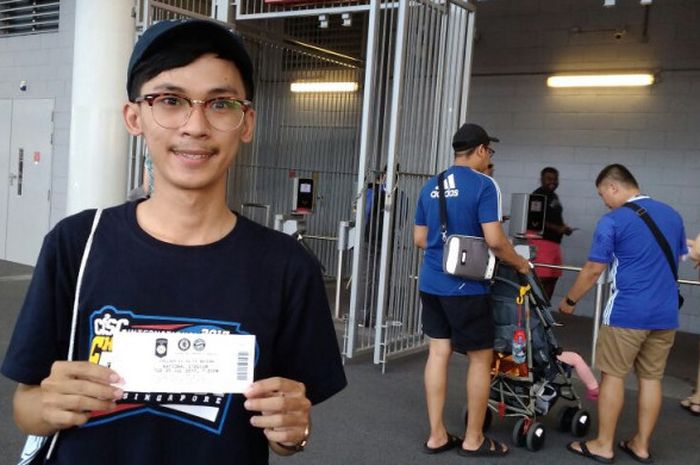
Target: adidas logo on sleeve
(449, 186)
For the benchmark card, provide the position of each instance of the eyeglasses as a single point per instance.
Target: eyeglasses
(490, 150)
(172, 111)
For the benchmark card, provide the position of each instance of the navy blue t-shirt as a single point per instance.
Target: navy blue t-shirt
(254, 280)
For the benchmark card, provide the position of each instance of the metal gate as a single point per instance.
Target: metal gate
(421, 80)
(369, 152)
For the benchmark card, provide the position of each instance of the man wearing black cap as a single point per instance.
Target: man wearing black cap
(457, 313)
(179, 261)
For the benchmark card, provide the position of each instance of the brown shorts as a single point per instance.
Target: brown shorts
(620, 349)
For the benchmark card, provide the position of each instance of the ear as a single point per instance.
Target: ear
(132, 118)
(248, 126)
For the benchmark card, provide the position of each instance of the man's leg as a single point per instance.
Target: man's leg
(610, 402)
(696, 397)
(548, 285)
(697, 382)
(648, 408)
(650, 366)
(692, 402)
(436, 388)
(478, 388)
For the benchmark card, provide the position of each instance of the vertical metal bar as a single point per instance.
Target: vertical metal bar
(220, 10)
(367, 104)
(146, 13)
(439, 112)
(467, 71)
(397, 85)
(339, 279)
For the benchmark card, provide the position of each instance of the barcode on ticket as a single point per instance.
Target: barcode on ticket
(243, 361)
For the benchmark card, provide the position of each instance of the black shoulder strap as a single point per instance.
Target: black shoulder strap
(443, 207)
(663, 243)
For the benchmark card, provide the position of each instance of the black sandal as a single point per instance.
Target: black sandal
(488, 448)
(452, 442)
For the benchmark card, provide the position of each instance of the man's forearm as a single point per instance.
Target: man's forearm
(585, 280)
(505, 252)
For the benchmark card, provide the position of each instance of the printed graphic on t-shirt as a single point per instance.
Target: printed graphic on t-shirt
(204, 410)
(449, 187)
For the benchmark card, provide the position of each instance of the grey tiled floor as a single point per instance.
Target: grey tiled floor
(381, 419)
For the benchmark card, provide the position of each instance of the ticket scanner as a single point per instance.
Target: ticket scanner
(527, 215)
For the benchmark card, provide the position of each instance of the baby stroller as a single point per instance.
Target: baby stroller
(530, 389)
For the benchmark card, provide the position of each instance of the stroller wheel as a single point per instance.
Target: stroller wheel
(536, 435)
(565, 418)
(580, 423)
(519, 431)
(487, 419)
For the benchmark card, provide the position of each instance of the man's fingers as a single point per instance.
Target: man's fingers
(285, 435)
(272, 386)
(80, 387)
(63, 419)
(85, 370)
(278, 404)
(280, 420)
(76, 403)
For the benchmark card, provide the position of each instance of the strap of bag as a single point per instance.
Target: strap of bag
(443, 207)
(76, 301)
(663, 243)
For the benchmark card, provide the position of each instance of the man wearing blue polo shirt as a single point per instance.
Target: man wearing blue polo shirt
(641, 317)
(457, 314)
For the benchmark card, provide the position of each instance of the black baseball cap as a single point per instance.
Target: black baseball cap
(158, 34)
(470, 135)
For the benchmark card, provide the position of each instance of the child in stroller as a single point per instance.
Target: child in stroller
(530, 389)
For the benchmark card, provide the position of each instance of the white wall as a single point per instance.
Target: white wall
(653, 131)
(45, 62)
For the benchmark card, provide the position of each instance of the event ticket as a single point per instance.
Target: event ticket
(183, 362)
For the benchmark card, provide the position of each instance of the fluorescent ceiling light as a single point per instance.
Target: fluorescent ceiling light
(324, 87)
(601, 80)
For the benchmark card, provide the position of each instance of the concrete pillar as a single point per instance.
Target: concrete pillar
(99, 143)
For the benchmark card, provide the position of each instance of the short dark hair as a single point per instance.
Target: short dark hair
(617, 172)
(465, 152)
(549, 169)
(182, 50)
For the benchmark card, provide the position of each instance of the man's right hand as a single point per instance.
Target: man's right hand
(68, 396)
(694, 250)
(524, 266)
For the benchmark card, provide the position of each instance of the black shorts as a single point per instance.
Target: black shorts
(466, 320)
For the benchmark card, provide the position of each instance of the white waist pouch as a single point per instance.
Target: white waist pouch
(468, 257)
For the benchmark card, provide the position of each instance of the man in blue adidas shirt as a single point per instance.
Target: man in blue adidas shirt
(641, 316)
(457, 313)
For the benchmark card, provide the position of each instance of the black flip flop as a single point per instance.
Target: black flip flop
(488, 448)
(452, 442)
(585, 453)
(625, 447)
